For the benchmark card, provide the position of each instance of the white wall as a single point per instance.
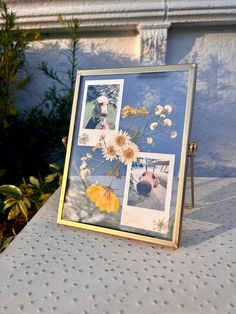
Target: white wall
(114, 34)
(214, 120)
(103, 51)
(212, 48)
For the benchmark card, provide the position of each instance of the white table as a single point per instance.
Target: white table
(55, 269)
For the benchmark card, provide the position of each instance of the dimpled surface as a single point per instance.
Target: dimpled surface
(56, 269)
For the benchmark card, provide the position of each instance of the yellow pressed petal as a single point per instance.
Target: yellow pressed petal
(104, 198)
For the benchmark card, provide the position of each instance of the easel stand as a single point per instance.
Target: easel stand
(192, 149)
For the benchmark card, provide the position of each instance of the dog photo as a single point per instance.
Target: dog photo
(148, 192)
(100, 110)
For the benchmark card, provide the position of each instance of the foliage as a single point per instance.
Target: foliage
(58, 98)
(49, 121)
(13, 46)
(13, 76)
(20, 203)
(29, 140)
(35, 136)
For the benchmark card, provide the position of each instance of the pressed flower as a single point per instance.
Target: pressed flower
(168, 108)
(173, 134)
(132, 111)
(162, 116)
(84, 173)
(89, 155)
(149, 140)
(83, 165)
(84, 158)
(143, 111)
(121, 140)
(167, 122)
(160, 226)
(158, 110)
(129, 154)
(102, 137)
(153, 125)
(103, 197)
(126, 111)
(109, 152)
(83, 139)
(99, 145)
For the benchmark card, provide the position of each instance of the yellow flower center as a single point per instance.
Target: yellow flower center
(128, 153)
(111, 151)
(120, 140)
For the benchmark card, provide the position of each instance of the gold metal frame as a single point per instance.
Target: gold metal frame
(174, 243)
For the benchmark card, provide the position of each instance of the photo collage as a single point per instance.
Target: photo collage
(117, 182)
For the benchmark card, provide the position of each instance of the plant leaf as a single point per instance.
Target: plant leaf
(109, 171)
(49, 178)
(34, 181)
(55, 166)
(117, 173)
(23, 208)
(27, 202)
(44, 197)
(14, 212)
(11, 190)
(5, 243)
(135, 135)
(9, 204)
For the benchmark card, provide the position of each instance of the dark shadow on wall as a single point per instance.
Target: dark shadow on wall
(92, 57)
(214, 110)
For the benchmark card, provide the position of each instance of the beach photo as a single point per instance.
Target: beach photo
(148, 192)
(101, 107)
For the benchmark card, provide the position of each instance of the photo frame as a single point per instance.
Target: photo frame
(126, 158)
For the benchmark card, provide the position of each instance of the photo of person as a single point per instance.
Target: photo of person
(100, 110)
(148, 190)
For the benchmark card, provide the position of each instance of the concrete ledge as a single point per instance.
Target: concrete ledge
(119, 15)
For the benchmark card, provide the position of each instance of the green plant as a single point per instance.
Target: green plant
(30, 139)
(57, 101)
(13, 46)
(13, 76)
(48, 122)
(20, 203)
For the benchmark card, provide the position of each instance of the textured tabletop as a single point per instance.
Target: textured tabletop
(57, 269)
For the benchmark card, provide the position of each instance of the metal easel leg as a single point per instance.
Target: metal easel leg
(192, 149)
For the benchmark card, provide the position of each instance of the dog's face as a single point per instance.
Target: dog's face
(103, 104)
(147, 182)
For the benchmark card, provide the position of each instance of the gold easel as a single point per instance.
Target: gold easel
(192, 149)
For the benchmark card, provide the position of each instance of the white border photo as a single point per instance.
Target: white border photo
(101, 108)
(147, 195)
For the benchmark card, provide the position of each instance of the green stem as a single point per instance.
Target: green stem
(116, 167)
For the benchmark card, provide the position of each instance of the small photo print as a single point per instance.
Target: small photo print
(100, 110)
(148, 192)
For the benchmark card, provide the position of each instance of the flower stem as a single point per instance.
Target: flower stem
(78, 172)
(116, 167)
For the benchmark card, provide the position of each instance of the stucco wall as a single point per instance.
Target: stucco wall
(212, 48)
(214, 121)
